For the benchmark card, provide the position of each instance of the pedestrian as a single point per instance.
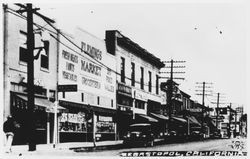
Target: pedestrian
(9, 129)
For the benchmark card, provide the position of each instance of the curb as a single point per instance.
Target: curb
(97, 148)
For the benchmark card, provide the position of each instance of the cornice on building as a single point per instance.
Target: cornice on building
(114, 37)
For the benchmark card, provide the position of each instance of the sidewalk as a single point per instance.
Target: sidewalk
(60, 149)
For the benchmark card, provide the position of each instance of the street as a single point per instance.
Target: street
(206, 145)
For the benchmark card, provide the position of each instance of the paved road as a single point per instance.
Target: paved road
(207, 145)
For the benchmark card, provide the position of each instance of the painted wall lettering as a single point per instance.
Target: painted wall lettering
(91, 83)
(68, 56)
(90, 67)
(69, 76)
(70, 67)
(92, 51)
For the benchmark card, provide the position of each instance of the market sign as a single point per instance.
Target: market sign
(67, 88)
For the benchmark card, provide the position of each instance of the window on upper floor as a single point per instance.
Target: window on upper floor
(142, 78)
(157, 85)
(122, 69)
(82, 94)
(132, 74)
(149, 81)
(45, 61)
(23, 54)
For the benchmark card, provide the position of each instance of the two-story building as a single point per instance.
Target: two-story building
(84, 62)
(138, 73)
(15, 58)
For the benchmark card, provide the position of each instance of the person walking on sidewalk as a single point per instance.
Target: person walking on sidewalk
(9, 129)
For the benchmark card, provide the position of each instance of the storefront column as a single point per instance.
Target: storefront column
(48, 129)
(94, 128)
(115, 131)
(55, 134)
(188, 126)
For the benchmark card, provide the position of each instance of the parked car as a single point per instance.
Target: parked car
(139, 133)
(196, 135)
(216, 135)
(175, 136)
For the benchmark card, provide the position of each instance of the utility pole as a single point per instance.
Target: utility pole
(30, 67)
(203, 100)
(217, 112)
(230, 115)
(218, 102)
(170, 85)
(31, 128)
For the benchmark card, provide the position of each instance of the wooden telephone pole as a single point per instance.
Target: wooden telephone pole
(30, 71)
(170, 85)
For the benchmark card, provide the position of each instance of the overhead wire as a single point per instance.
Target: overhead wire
(95, 60)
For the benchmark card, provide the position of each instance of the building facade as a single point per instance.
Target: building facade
(138, 87)
(15, 74)
(84, 62)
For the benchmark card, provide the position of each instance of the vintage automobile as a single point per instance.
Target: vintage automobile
(216, 135)
(139, 133)
(196, 135)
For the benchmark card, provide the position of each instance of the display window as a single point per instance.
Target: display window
(105, 124)
(69, 122)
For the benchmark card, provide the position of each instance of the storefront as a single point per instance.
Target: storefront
(77, 124)
(124, 109)
(92, 105)
(162, 124)
(43, 118)
(179, 124)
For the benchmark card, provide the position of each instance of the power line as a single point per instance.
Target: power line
(92, 59)
(95, 61)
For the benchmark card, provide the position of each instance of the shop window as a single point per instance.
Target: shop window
(132, 74)
(105, 124)
(124, 100)
(149, 81)
(41, 91)
(142, 78)
(139, 104)
(157, 85)
(17, 87)
(122, 69)
(70, 122)
(23, 54)
(52, 95)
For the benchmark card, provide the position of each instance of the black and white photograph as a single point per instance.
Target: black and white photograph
(124, 79)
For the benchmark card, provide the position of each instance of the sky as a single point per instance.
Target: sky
(210, 37)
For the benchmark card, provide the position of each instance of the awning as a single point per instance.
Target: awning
(193, 121)
(145, 118)
(84, 107)
(210, 122)
(45, 103)
(179, 119)
(159, 116)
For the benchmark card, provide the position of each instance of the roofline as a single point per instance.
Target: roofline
(156, 60)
